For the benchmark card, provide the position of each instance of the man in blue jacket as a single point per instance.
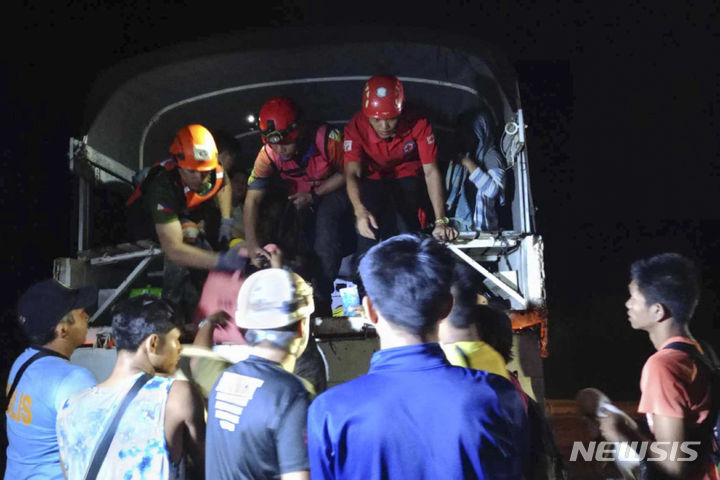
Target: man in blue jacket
(414, 415)
(56, 323)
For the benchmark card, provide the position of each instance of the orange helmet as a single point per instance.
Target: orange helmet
(383, 97)
(194, 148)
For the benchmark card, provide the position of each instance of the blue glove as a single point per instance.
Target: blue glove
(230, 261)
(225, 233)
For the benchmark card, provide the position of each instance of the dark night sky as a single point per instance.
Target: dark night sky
(622, 108)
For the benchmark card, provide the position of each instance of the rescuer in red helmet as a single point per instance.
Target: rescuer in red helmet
(183, 190)
(390, 159)
(307, 160)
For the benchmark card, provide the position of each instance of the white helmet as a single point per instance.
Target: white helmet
(273, 298)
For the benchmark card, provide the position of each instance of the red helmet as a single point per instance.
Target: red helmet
(194, 148)
(383, 97)
(279, 121)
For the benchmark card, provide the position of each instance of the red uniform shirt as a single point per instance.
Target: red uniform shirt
(323, 161)
(402, 156)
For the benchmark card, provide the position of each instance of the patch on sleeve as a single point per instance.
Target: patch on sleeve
(431, 139)
(348, 145)
(164, 208)
(335, 135)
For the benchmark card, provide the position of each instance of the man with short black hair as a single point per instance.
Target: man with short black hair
(161, 425)
(461, 333)
(257, 409)
(52, 316)
(414, 415)
(675, 394)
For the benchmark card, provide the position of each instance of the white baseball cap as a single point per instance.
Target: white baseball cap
(273, 298)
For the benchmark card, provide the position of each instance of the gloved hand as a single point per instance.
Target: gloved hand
(231, 261)
(225, 232)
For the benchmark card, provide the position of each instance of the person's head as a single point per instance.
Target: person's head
(279, 123)
(407, 280)
(479, 322)
(465, 289)
(494, 328)
(459, 325)
(274, 306)
(228, 148)
(662, 287)
(474, 132)
(149, 324)
(239, 183)
(196, 155)
(382, 104)
(50, 312)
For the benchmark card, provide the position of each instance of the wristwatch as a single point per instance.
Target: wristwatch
(442, 221)
(203, 322)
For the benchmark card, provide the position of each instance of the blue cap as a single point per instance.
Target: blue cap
(44, 304)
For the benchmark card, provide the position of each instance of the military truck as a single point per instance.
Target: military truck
(137, 106)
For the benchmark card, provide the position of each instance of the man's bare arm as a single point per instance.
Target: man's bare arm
(353, 177)
(171, 241)
(251, 210)
(436, 192)
(668, 430)
(335, 181)
(364, 220)
(224, 199)
(185, 425)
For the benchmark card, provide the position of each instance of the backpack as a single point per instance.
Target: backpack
(708, 362)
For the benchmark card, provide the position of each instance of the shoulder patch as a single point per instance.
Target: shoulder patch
(335, 135)
(348, 145)
(431, 139)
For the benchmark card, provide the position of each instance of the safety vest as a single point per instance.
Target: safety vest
(316, 170)
(192, 198)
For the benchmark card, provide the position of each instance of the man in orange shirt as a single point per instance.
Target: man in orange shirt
(675, 390)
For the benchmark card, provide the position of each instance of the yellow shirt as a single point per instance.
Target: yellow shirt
(477, 355)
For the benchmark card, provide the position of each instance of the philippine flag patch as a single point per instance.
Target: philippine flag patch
(163, 208)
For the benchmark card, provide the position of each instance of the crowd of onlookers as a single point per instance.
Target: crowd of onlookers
(436, 402)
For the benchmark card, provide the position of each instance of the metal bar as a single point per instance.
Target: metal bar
(83, 213)
(527, 224)
(121, 257)
(121, 288)
(486, 273)
(102, 162)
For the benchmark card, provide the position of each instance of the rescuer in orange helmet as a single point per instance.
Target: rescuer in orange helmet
(184, 189)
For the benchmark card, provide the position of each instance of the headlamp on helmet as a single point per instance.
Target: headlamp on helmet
(278, 121)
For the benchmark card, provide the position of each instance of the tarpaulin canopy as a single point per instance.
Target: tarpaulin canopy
(137, 107)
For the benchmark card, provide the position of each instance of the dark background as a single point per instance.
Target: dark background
(622, 112)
